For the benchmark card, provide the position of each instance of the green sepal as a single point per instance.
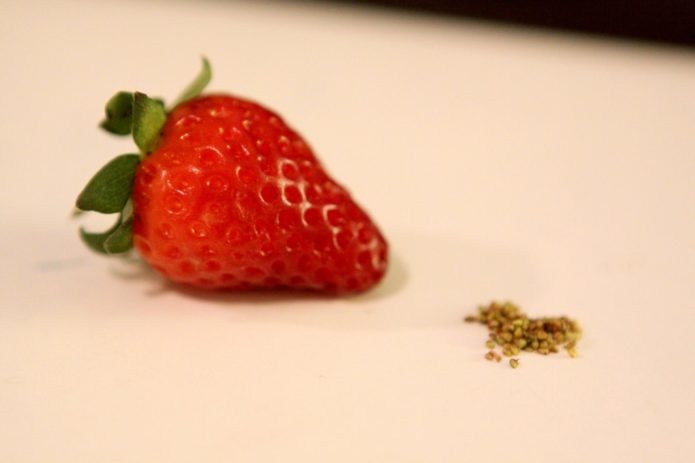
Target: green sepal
(148, 119)
(121, 239)
(95, 241)
(196, 87)
(116, 240)
(119, 114)
(109, 190)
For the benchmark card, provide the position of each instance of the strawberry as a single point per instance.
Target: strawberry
(224, 194)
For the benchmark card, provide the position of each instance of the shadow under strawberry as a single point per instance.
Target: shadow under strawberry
(133, 268)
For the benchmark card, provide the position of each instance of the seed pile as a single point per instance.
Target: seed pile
(513, 331)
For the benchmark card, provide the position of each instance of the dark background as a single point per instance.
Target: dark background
(664, 21)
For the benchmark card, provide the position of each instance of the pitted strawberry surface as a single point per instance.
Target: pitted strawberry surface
(232, 197)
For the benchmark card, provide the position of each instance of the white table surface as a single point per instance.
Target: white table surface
(556, 171)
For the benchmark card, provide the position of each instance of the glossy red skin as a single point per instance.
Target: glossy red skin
(234, 198)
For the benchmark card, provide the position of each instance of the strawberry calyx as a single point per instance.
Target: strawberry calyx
(109, 190)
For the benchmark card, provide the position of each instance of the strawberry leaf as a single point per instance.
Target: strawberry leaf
(148, 119)
(196, 87)
(116, 240)
(121, 239)
(95, 241)
(109, 190)
(119, 114)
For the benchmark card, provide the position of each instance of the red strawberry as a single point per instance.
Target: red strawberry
(228, 196)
